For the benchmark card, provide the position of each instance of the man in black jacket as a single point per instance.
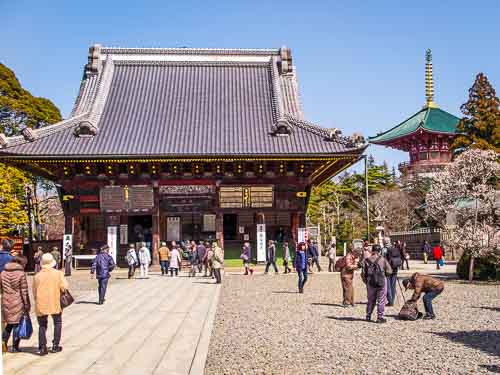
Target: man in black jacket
(393, 256)
(314, 254)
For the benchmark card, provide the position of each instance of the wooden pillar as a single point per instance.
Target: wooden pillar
(295, 227)
(156, 227)
(77, 239)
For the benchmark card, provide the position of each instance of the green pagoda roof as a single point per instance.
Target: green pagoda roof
(431, 119)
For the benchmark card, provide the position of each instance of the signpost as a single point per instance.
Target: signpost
(261, 242)
(113, 241)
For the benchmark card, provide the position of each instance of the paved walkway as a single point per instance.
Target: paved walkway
(147, 326)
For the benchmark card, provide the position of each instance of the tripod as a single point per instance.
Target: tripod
(401, 289)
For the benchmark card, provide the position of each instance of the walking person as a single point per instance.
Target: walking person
(201, 250)
(332, 255)
(217, 262)
(426, 251)
(193, 259)
(300, 265)
(5, 256)
(164, 254)
(375, 271)
(57, 257)
(271, 257)
(144, 260)
(48, 285)
(393, 256)
(287, 259)
(432, 288)
(132, 260)
(210, 256)
(405, 256)
(37, 258)
(347, 277)
(314, 255)
(102, 265)
(437, 252)
(175, 261)
(15, 300)
(68, 255)
(246, 256)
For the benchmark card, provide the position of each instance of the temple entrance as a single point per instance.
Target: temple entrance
(140, 229)
(230, 226)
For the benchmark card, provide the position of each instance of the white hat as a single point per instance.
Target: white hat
(48, 261)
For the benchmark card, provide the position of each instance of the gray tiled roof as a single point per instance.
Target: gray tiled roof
(174, 107)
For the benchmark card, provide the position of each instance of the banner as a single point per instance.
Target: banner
(67, 245)
(303, 235)
(261, 242)
(112, 241)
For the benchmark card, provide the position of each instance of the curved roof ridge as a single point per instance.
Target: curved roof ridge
(190, 51)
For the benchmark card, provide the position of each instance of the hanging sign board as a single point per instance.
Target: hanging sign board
(173, 228)
(261, 242)
(113, 241)
(123, 234)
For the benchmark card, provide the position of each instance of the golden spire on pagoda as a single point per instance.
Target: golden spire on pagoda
(429, 81)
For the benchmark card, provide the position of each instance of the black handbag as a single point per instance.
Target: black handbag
(66, 299)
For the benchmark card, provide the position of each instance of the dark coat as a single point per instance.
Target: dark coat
(15, 295)
(201, 250)
(313, 251)
(102, 265)
(271, 253)
(300, 261)
(5, 258)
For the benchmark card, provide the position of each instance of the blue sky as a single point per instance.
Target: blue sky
(360, 64)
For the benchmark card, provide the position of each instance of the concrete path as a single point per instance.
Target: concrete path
(159, 325)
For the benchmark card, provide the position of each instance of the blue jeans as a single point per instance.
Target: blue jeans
(302, 277)
(103, 285)
(429, 296)
(164, 266)
(391, 288)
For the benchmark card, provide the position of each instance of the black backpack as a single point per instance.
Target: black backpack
(394, 258)
(375, 276)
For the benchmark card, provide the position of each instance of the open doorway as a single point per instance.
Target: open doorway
(140, 229)
(230, 226)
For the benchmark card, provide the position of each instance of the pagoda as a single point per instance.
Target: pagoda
(169, 144)
(426, 135)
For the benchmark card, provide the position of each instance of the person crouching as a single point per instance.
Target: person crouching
(432, 288)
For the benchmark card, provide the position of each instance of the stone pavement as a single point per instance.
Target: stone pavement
(159, 325)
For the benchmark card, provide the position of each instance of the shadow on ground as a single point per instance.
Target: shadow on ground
(497, 309)
(346, 318)
(495, 369)
(487, 341)
(86, 303)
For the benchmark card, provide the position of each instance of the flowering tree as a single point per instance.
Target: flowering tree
(465, 193)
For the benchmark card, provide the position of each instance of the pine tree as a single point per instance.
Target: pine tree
(480, 127)
(20, 109)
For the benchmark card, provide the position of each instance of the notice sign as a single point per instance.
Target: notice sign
(246, 196)
(261, 242)
(113, 241)
(303, 236)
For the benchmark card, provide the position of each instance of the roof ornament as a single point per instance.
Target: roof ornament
(28, 134)
(94, 64)
(429, 81)
(3, 141)
(286, 60)
(282, 128)
(333, 135)
(85, 129)
(357, 140)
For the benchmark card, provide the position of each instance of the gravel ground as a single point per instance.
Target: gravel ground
(264, 327)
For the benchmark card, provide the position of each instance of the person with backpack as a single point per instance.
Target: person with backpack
(393, 256)
(300, 265)
(350, 264)
(432, 288)
(132, 261)
(375, 270)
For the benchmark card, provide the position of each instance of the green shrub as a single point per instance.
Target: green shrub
(484, 268)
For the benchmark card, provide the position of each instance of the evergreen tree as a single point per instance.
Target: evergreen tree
(20, 109)
(480, 127)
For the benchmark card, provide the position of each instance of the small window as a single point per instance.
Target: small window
(434, 155)
(423, 156)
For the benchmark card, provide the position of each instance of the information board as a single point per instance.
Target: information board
(246, 196)
(113, 241)
(261, 242)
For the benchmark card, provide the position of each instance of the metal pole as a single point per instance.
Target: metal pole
(367, 203)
